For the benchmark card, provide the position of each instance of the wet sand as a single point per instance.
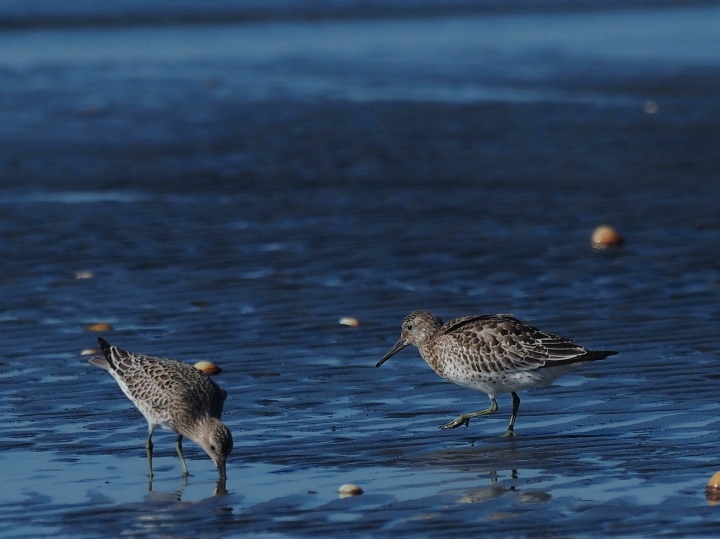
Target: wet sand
(237, 227)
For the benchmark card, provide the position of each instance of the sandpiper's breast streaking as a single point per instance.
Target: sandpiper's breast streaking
(491, 353)
(173, 396)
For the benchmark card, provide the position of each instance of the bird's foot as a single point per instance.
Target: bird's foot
(457, 422)
(509, 434)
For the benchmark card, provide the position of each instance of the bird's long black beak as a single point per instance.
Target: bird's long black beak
(394, 350)
(220, 488)
(221, 470)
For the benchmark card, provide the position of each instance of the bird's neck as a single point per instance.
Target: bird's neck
(425, 345)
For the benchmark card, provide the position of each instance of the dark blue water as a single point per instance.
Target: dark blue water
(237, 183)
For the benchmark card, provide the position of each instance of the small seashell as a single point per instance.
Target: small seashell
(208, 368)
(712, 493)
(604, 237)
(714, 482)
(98, 327)
(348, 489)
(84, 275)
(349, 321)
(90, 352)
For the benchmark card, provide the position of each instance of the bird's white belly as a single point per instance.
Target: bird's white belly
(505, 382)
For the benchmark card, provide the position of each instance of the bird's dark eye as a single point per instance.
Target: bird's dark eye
(212, 447)
(409, 327)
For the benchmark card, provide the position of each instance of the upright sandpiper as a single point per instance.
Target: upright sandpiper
(173, 396)
(491, 353)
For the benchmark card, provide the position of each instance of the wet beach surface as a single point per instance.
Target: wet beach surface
(237, 189)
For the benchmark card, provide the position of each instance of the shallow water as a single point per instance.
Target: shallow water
(233, 206)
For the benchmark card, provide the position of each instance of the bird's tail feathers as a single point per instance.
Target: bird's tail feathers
(99, 361)
(589, 355)
(113, 354)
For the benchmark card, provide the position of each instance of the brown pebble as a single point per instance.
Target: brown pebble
(348, 489)
(98, 327)
(90, 352)
(349, 321)
(208, 368)
(605, 236)
(84, 275)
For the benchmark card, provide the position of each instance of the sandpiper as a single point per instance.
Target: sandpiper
(491, 353)
(173, 396)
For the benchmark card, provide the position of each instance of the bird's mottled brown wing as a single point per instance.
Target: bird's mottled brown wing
(166, 384)
(505, 343)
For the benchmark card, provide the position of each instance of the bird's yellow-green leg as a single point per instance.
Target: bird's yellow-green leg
(465, 418)
(516, 405)
(178, 448)
(148, 449)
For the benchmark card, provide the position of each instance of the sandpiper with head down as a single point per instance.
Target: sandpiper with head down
(173, 396)
(491, 353)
